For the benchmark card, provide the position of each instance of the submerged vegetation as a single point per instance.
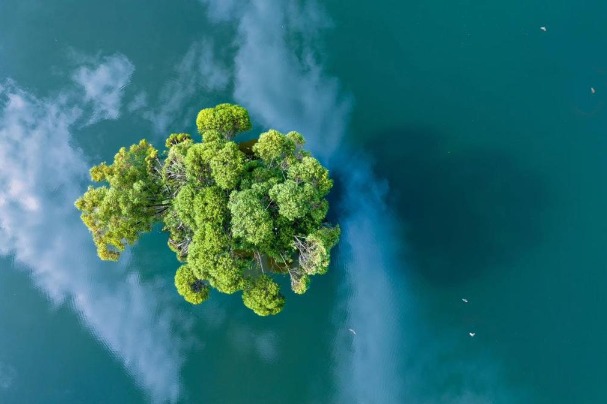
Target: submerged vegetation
(237, 217)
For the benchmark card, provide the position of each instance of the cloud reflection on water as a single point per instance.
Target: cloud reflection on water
(198, 70)
(40, 177)
(8, 374)
(284, 86)
(280, 78)
(103, 82)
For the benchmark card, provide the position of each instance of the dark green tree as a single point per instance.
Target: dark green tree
(192, 289)
(236, 216)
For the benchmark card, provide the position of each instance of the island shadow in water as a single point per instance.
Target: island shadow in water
(464, 211)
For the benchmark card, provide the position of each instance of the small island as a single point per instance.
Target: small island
(238, 216)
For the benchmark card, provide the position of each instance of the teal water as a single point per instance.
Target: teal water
(493, 143)
(468, 149)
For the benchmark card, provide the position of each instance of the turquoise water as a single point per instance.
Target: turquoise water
(498, 176)
(468, 147)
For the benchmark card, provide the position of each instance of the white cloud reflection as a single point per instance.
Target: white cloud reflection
(8, 374)
(284, 87)
(41, 174)
(279, 77)
(367, 363)
(103, 82)
(222, 10)
(198, 72)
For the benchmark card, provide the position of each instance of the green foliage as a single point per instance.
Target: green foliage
(315, 250)
(192, 289)
(184, 205)
(177, 138)
(173, 171)
(227, 274)
(310, 171)
(237, 216)
(226, 119)
(273, 147)
(211, 206)
(251, 221)
(263, 296)
(294, 201)
(117, 214)
(197, 162)
(227, 166)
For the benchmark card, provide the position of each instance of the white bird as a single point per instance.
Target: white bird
(543, 29)
(352, 331)
(592, 90)
(472, 334)
(465, 300)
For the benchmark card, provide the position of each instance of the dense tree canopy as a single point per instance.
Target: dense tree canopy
(238, 218)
